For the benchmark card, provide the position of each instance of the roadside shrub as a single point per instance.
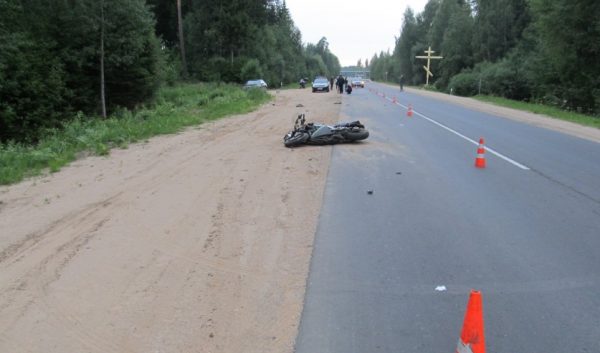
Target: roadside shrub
(256, 94)
(465, 84)
(503, 79)
(171, 66)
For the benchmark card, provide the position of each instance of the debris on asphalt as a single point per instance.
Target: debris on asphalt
(299, 105)
(440, 288)
(370, 192)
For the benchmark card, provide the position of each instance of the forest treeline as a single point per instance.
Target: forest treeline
(545, 51)
(54, 53)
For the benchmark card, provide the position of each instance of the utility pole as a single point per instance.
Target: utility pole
(102, 85)
(181, 41)
(282, 69)
(427, 68)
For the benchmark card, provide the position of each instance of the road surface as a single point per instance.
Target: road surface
(525, 231)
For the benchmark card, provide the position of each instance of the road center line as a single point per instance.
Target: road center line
(476, 143)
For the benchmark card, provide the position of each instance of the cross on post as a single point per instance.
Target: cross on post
(428, 57)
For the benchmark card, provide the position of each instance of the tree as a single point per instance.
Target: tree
(500, 25)
(456, 44)
(403, 50)
(569, 47)
(58, 57)
(33, 91)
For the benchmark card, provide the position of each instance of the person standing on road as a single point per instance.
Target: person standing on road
(331, 83)
(401, 82)
(340, 84)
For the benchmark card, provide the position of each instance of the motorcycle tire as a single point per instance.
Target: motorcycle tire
(356, 135)
(296, 140)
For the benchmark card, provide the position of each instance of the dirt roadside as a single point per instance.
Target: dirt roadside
(195, 242)
(585, 132)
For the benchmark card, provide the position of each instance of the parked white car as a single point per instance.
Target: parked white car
(256, 84)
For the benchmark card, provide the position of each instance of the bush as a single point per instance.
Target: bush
(465, 84)
(170, 66)
(503, 79)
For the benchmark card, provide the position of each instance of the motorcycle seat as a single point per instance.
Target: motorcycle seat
(355, 123)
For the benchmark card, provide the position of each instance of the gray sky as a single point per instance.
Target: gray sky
(355, 29)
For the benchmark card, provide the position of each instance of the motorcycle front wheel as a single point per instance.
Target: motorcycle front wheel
(296, 139)
(356, 134)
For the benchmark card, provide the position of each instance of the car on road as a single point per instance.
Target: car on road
(320, 84)
(358, 82)
(256, 84)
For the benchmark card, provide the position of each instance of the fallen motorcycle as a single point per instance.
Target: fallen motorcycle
(320, 134)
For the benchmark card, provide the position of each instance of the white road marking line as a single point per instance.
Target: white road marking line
(492, 151)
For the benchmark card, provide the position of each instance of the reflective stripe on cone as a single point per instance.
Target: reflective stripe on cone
(480, 160)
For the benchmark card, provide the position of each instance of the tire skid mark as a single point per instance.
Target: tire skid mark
(50, 271)
(36, 281)
(16, 251)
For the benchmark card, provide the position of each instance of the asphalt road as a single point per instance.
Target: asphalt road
(525, 231)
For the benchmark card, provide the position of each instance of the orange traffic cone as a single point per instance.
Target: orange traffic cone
(409, 113)
(472, 338)
(395, 100)
(480, 160)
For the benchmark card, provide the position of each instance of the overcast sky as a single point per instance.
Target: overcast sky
(355, 29)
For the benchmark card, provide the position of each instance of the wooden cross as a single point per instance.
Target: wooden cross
(428, 57)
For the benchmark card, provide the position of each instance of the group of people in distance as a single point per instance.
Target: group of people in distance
(341, 83)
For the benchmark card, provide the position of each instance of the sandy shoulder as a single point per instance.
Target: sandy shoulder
(585, 132)
(195, 242)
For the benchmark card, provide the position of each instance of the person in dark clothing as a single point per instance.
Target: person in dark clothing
(402, 82)
(340, 84)
(331, 83)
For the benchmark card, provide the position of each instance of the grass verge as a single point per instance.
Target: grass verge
(175, 108)
(553, 112)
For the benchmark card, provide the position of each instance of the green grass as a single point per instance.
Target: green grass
(175, 108)
(553, 112)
